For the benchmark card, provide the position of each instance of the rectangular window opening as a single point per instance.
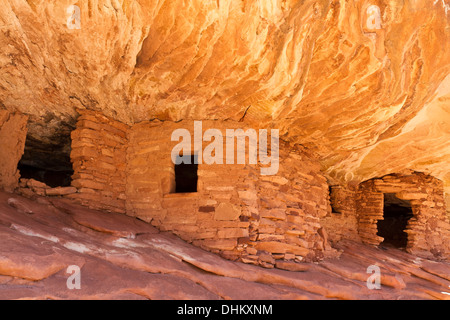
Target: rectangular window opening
(186, 176)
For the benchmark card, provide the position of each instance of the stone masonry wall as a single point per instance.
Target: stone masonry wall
(98, 154)
(369, 210)
(290, 207)
(236, 212)
(341, 221)
(447, 197)
(428, 231)
(13, 132)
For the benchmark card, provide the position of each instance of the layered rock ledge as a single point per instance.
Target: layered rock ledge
(122, 257)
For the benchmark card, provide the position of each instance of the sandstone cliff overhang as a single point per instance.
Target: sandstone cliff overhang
(366, 88)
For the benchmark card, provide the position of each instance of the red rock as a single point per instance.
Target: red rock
(292, 266)
(19, 205)
(37, 249)
(60, 191)
(279, 247)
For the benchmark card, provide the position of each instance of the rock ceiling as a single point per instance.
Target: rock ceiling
(366, 89)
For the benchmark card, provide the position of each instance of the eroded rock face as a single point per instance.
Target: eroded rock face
(367, 88)
(13, 128)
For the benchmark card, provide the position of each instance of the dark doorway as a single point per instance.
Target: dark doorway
(52, 178)
(186, 176)
(48, 160)
(396, 213)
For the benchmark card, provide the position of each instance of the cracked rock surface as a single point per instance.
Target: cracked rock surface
(121, 257)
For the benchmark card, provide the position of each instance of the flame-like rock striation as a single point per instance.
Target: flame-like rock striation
(364, 84)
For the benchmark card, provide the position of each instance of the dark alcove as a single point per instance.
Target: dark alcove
(48, 159)
(396, 213)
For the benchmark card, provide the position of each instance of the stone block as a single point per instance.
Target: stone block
(91, 124)
(85, 183)
(181, 201)
(219, 244)
(60, 191)
(274, 214)
(106, 166)
(280, 247)
(266, 258)
(266, 265)
(248, 195)
(232, 233)
(226, 211)
(297, 220)
(180, 218)
(294, 232)
(270, 237)
(204, 235)
(84, 151)
(250, 259)
(33, 184)
(275, 179)
(244, 240)
(411, 195)
(206, 209)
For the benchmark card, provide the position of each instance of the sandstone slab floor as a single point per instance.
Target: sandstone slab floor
(120, 257)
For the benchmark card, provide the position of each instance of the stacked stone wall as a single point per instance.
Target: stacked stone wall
(236, 212)
(98, 154)
(428, 230)
(341, 221)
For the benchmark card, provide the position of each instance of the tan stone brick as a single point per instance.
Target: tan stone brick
(270, 237)
(411, 195)
(275, 214)
(266, 258)
(250, 259)
(219, 224)
(279, 247)
(182, 201)
(180, 217)
(220, 244)
(205, 235)
(60, 191)
(232, 233)
(34, 184)
(297, 220)
(294, 232)
(85, 183)
(275, 179)
(248, 195)
(226, 211)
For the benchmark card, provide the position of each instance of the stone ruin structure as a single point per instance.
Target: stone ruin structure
(233, 210)
(405, 210)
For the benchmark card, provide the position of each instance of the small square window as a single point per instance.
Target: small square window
(186, 175)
